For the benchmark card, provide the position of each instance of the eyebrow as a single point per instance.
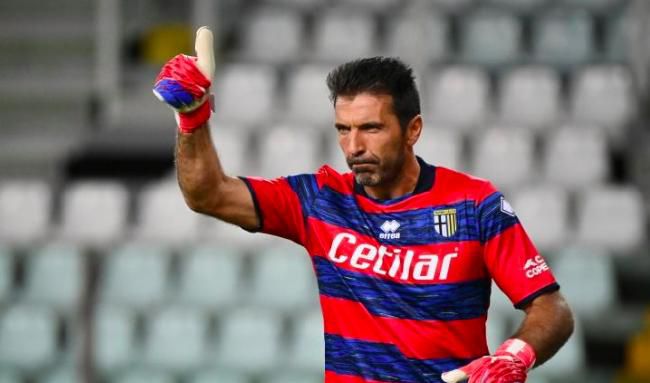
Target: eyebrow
(367, 125)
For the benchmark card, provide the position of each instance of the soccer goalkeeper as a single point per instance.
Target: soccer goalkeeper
(404, 251)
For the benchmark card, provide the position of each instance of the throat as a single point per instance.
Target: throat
(404, 183)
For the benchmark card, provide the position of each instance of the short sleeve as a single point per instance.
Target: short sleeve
(282, 204)
(509, 254)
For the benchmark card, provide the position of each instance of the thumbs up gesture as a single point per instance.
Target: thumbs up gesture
(184, 83)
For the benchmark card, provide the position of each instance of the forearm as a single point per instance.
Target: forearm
(547, 326)
(199, 172)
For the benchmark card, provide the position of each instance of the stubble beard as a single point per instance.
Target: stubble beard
(386, 173)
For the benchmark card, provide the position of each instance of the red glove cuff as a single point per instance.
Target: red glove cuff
(520, 350)
(190, 121)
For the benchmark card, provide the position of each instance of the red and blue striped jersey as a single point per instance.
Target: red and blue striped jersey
(404, 283)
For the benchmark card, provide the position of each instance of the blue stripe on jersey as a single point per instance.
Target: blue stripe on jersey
(306, 187)
(383, 362)
(492, 219)
(442, 301)
(416, 226)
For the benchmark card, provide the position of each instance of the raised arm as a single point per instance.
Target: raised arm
(184, 84)
(205, 186)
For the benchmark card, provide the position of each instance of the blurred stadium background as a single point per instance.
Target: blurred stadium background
(105, 276)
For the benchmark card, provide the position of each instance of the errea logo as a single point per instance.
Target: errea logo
(389, 229)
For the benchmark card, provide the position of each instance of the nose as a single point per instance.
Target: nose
(354, 146)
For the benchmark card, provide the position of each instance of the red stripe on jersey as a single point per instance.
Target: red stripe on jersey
(466, 266)
(420, 339)
(519, 271)
(333, 377)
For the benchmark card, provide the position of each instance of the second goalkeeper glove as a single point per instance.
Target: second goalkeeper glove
(509, 364)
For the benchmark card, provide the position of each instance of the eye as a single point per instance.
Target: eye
(371, 128)
(341, 129)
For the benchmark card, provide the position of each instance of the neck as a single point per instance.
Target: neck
(404, 183)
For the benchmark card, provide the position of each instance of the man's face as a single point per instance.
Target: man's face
(370, 136)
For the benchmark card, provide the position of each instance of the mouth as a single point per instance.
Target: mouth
(362, 167)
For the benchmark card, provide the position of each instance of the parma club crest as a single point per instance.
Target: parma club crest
(445, 222)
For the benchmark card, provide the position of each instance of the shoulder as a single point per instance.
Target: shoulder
(330, 177)
(455, 181)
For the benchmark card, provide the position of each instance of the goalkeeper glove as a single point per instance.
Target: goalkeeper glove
(184, 83)
(509, 364)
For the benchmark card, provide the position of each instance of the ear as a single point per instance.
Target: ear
(413, 130)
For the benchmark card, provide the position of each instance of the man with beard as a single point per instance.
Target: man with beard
(404, 251)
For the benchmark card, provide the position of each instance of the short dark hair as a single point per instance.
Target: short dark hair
(380, 75)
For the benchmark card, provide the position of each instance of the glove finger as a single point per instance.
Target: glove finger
(454, 376)
(204, 46)
(464, 372)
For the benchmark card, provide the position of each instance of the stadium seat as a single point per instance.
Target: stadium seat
(55, 277)
(280, 147)
(421, 36)
(9, 377)
(216, 232)
(272, 35)
(611, 218)
(589, 4)
(244, 94)
(218, 375)
(232, 145)
(369, 5)
(25, 208)
(622, 35)
(458, 97)
(576, 157)
(28, 336)
(138, 111)
(308, 97)
(504, 155)
(637, 354)
(518, 5)
(453, 5)
(249, 341)
(342, 35)
(543, 211)
(530, 97)
(210, 277)
(271, 287)
(6, 274)
(292, 377)
(145, 376)
(61, 374)
(603, 95)
(163, 216)
(298, 4)
(306, 350)
(490, 38)
(94, 212)
(587, 280)
(135, 276)
(113, 338)
(441, 146)
(563, 38)
(175, 339)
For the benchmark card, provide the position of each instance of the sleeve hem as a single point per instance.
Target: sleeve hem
(256, 203)
(544, 290)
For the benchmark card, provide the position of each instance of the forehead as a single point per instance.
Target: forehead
(363, 107)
